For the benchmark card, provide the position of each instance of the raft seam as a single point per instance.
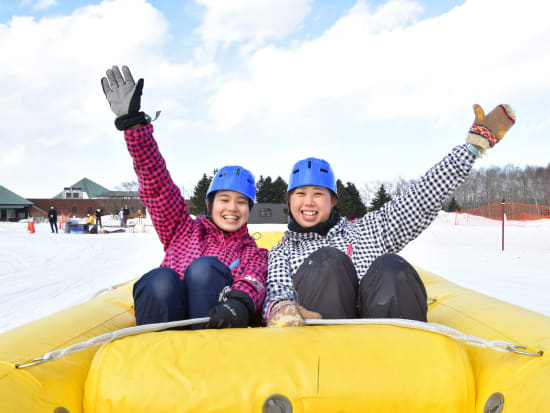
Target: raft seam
(318, 373)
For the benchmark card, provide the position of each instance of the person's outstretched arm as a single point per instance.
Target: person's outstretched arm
(404, 218)
(160, 195)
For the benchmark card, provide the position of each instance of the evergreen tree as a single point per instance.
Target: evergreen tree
(380, 199)
(358, 208)
(271, 191)
(350, 204)
(452, 205)
(278, 191)
(263, 188)
(199, 194)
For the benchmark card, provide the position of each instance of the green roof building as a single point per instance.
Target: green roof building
(81, 188)
(12, 206)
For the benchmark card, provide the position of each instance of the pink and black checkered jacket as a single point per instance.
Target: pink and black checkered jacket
(183, 237)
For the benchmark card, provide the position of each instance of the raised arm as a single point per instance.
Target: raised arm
(161, 196)
(404, 218)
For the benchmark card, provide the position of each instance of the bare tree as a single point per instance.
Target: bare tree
(530, 185)
(128, 186)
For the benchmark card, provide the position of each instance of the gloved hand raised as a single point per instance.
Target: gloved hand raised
(233, 312)
(488, 130)
(124, 96)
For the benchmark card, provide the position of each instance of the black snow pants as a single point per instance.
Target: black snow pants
(327, 283)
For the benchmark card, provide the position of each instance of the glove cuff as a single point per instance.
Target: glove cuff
(244, 298)
(481, 136)
(129, 120)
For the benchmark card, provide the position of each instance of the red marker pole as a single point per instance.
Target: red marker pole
(503, 203)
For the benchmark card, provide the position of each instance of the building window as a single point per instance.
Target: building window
(74, 211)
(265, 212)
(90, 210)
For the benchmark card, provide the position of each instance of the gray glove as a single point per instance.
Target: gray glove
(124, 96)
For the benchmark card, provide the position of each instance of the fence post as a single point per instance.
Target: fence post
(503, 204)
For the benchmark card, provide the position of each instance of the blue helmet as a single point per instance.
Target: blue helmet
(234, 178)
(312, 171)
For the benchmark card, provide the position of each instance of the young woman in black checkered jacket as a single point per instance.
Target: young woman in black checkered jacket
(329, 267)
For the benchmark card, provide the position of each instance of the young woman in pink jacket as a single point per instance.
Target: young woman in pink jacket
(212, 266)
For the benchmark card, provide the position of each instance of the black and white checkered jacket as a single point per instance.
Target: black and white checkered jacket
(387, 230)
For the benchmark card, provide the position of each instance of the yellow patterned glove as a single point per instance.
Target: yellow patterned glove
(289, 314)
(285, 314)
(488, 130)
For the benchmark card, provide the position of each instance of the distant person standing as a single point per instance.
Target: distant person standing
(52, 217)
(98, 217)
(121, 217)
(126, 212)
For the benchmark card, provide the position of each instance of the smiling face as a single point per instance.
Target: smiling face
(229, 210)
(311, 205)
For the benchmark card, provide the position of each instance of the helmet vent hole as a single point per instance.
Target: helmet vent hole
(238, 171)
(296, 171)
(324, 170)
(224, 174)
(309, 164)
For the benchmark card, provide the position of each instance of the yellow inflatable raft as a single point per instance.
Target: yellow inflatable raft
(337, 368)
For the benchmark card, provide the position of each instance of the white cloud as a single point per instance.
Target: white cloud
(44, 4)
(12, 155)
(54, 114)
(249, 22)
(50, 79)
(335, 95)
(390, 64)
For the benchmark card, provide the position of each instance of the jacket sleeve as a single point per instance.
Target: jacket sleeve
(251, 279)
(401, 220)
(158, 192)
(279, 284)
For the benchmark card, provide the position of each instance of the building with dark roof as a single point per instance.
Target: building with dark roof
(269, 213)
(85, 188)
(86, 196)
(12, 206)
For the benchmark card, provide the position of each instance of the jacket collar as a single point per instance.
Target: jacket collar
(299, 236)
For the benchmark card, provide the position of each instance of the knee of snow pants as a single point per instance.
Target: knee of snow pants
(327, 283)
(392, 288)
(159, 297)
(204, 279)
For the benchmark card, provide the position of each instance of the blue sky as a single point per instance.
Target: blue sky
(380, 89)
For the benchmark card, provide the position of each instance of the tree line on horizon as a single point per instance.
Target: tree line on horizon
(484, 186)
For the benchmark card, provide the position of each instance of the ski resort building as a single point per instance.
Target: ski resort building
(86, 196)
(269, 213)
(12, 206)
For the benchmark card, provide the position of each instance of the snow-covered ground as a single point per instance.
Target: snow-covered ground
(43, 273)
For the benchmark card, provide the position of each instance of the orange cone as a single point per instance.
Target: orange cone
(30, 227)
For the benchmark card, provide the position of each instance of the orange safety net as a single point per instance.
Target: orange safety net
(515, 213)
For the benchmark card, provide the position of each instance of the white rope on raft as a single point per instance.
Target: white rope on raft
(497, 345)
(113, 335)
(450, 332)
